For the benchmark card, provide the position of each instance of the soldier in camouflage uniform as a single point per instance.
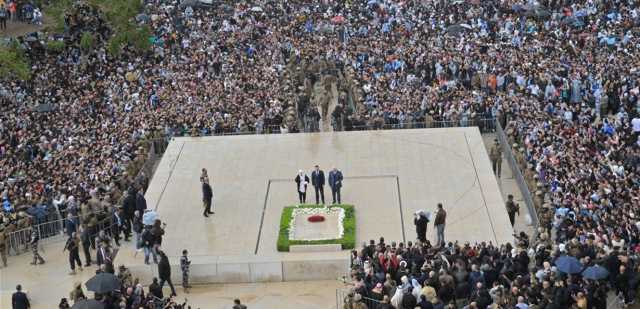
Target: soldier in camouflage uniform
(184, 266)
(3, 246)
(34, 248)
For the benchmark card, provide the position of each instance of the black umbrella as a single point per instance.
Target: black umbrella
(103, 283)
(88, 304)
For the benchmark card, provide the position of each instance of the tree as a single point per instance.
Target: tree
(87, 41)
(121, 18)
(13, 63)
(55, 46)
(56, 10)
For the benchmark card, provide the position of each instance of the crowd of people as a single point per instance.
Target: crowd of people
(130, 292)
(19, 10)
(560, 76)
(485, 275)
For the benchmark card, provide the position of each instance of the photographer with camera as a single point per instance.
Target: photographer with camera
(522, 240)
(512, 209)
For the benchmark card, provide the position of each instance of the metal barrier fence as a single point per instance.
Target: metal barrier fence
(344, 298)
(341, 296)
(484, 124)
(48, 233)
(157, 146)
(517, 174)
(52, 230)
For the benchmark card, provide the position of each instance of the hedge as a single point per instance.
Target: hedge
(348, 241)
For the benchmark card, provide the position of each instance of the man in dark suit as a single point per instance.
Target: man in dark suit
(207, 196)
(85, 239)
(335, 182)
(317, 180)
(129, 206)
(117, 225)
(141, 202)
(19, 299)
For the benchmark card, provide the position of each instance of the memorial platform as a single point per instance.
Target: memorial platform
(388, 176)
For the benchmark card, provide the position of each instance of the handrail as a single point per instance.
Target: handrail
(520, 181)
(483, 123)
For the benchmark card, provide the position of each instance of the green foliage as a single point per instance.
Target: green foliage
(13, 63)
(87, 41)
(55, 46)
(348, 240)
(119, 14)
(56, 11)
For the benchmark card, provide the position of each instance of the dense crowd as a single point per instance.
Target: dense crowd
(489, 276)
(561, 77)
(130, 294)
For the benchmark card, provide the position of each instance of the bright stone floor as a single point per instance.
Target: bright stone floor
(436, 165)
(48, 283)
(433, 165)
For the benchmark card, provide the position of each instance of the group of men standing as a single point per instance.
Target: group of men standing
(421, 221)
(318, 182)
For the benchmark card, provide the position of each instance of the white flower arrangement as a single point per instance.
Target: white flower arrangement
(323, 211)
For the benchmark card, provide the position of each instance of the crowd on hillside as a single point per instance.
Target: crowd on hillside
(560, 76)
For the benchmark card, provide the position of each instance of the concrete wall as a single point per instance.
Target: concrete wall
(248, 270)
(325, 269)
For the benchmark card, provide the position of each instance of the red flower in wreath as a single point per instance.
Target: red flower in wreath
(316, 218)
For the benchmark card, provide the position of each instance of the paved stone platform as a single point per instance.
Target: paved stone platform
(388, 176)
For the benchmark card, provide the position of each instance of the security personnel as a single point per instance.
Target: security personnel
(3, 246)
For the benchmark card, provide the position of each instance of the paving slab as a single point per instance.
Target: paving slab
(389, 174)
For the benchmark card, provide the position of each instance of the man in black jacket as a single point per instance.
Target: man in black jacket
(155, 289)
(129, 206)
(141, 202)
(421, 221)
(19, 299)
(207, 196)
(164, 272)
(317, 180)
(85, 238)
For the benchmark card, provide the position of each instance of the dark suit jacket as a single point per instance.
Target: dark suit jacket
(207, 192)
(317, 178)
(141, 203)
(19, 300)
(164, 269)
(306, 178)
(129, 204)
(335, 179)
